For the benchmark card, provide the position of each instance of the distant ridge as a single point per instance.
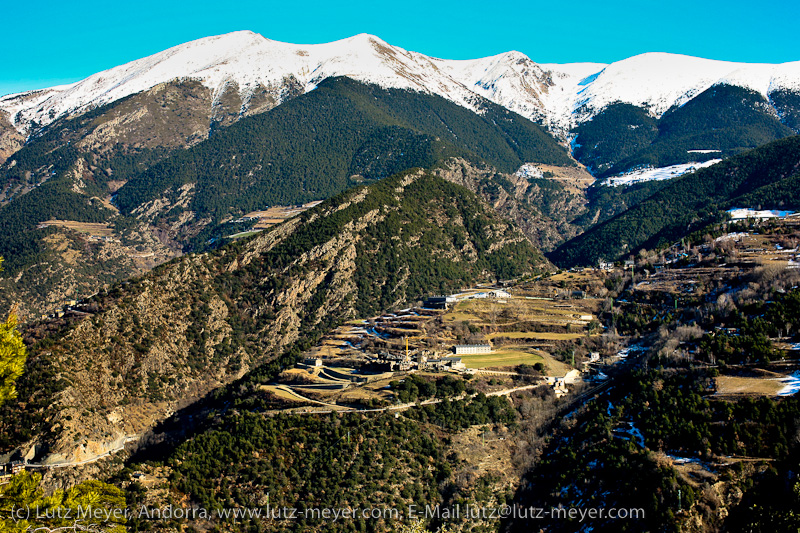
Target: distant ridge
(768, 176)
(559, 96)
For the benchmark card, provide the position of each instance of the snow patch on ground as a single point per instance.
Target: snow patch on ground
(657, 174)
(630, 433)
(739, 213)
(681, 460)
(791, 384)
(625, 352)
(731, 236)
(529, 170)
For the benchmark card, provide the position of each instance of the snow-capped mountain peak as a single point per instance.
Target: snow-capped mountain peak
(247, 59)
(510, 79)
(557, 95)
(658, 81)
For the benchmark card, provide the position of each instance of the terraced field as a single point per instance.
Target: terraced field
(535, 335)
(518, 311)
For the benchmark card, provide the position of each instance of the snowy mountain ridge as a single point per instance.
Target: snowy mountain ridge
(658, 81)
(559, 96)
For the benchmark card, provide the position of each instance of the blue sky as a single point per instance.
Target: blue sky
(50, 42)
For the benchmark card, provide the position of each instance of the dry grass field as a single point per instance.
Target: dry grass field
(277, 214)
(90, 228)
(768, 384)
(574, 277)
(535, 335)
(491, 312)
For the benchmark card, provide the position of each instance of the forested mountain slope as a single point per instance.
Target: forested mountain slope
(341, 135)
(134, 354)
(338, 135)
(768, 177)
(722, 121)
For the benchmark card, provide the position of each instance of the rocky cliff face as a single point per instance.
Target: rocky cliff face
(157, 343)
(11, 140)
(80, 264)
(542, 200)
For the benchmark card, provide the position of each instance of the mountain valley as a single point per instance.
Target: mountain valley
(246, 277)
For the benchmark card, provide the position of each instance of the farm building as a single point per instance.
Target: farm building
(452, 363)
(455, 363)
(438, 302)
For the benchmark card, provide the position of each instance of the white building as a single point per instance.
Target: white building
(466, 349)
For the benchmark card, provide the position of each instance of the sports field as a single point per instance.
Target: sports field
(510, 357)
(501, 357)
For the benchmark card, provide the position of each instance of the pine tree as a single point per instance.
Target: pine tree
(23, 507)
(12, 356)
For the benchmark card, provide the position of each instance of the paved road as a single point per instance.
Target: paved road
(342, 409)
(400, 407)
